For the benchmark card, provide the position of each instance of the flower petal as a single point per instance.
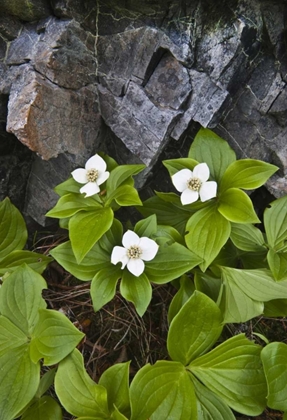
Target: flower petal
(80, 175)
(130, 238)
(208, 190)
(189, 196)
(91, 188)
(119, 254)
(96, 162)
(201, 171)
(103, 176)
(136, 266)
(149, 248)
(181, 178)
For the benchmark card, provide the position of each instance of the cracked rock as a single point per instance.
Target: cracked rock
(204, 104)
(132, 55)
(169, 85)
(51, 120)
(59, 50)
(142, 127)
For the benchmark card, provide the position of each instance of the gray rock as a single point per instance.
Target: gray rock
(142, 127)
(59, 50)
(51, 120)
(274, 15)
(133, 55)
(169, 85)
(204, 103)
(255, 125)
(21, 50)
(44, 176)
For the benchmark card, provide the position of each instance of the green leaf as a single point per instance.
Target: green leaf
(103, 286)
(208, 284)
(228, 256)
(236, 206)
(54, 337)
(171, 262)
(86, 228)
(116, 381)
(247, 174)
(13, 232)
(68, 186)
(168, 234)
(275, 308)
(70, 204)
(253, 260)
(112, 237)
(94, 261)
(136, 290)
(172, 198)
(160, 389)
(120, 174)
(44, 408)
(46, 381)
(274, 359)
(116, 415)
(64, 223)
(19, 381)
(111, 163)
(236, 305)
(183, 294)
(146, 227)
(167, 213)
(38, 262)
(275, 222)
(257, 284)
(233, 371)
(208, 147)
(20, 298)
(11, 336)
(77, 392)
(210, 406)
(208, 232)
(195, 329)
(125, 195)
(247, 237)
(278, 264)
(245, 292)
(175, 165)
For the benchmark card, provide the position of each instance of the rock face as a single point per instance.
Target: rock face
(136, 79)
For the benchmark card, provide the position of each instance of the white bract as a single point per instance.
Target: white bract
(134, 252)
(92, 176)
(194, 184)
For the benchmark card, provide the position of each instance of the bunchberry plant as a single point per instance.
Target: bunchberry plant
(29, 333)
(206, 238)
(13, 237)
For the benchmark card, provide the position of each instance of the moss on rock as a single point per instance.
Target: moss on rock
(26, 10)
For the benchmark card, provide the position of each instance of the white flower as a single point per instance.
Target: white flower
(134, 252)
(93, 175)
(193, 184)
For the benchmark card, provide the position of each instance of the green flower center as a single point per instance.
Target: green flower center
(194, 184)
(134, 252)
(92, 175)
